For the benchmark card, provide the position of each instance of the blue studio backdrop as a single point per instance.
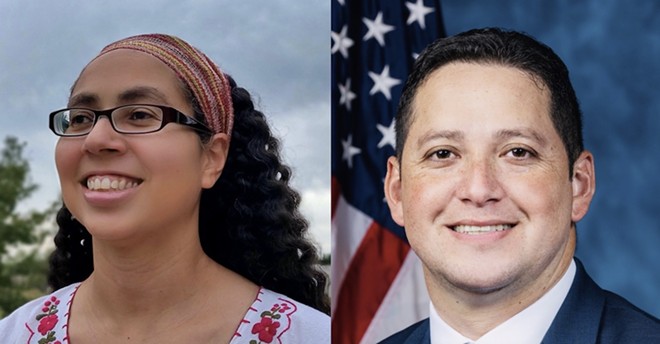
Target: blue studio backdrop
(612, 50)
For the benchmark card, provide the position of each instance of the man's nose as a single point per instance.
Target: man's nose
(480, 182)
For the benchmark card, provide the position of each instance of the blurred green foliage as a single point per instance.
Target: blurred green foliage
(22, 269)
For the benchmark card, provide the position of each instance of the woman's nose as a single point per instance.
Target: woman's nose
(103, 138)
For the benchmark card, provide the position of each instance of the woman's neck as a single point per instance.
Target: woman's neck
(158, 285)
(135, 281)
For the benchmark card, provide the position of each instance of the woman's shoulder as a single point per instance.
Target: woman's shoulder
(44, 317)
(273, 315)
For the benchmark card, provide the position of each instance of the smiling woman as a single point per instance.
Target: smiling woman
(178, 224)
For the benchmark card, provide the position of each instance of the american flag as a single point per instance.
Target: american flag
(377, 287)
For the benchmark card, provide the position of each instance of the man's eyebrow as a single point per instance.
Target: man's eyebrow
(142, 92)
(431, 135)
(527, 133)
(503, 134)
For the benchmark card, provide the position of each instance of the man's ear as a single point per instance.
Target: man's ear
(393, 190)
(584, 185)
(215, 156)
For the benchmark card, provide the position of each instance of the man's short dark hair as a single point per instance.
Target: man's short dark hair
(507, 48)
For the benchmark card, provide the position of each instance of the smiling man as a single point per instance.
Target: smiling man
(489, 181)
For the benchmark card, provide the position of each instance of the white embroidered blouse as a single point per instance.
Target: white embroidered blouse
(272, 318)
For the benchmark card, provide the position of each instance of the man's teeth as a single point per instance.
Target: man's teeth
(107, 183)
(481, 229)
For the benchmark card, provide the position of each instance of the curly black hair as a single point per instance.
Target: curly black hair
(249, 220)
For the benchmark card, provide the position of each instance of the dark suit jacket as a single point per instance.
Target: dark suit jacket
(589, 314)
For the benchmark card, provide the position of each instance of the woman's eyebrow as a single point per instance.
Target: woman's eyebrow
(142, 92)
(83, 99)
(132, 94)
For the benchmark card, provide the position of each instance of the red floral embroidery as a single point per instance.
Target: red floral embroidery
(266, 328)
(47, 321)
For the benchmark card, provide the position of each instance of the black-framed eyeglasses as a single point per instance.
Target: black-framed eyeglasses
(125, 119)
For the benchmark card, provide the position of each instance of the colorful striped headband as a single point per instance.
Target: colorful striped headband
(207, 82)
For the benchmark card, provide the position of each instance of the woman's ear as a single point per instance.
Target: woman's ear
(584, 185)
(215, 156)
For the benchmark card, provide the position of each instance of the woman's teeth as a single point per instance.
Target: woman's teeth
(110, 183)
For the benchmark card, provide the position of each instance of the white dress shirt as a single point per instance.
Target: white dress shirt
(528, 326)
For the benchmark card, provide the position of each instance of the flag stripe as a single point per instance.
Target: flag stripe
(405, 303)
(335, 190)
(383, 252)
(349, 227)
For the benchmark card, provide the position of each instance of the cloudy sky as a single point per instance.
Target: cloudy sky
(277, 49)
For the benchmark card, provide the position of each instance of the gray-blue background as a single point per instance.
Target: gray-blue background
(612, 49)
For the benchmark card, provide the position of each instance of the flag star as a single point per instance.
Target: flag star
(341, 2)
(346, 96)
(383, 82)
(415, 56)
(417, 13)
(349, 150)
(341, 42)
(389, 136)
(377, 29)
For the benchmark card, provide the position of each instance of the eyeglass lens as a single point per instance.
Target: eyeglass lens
(126, 119)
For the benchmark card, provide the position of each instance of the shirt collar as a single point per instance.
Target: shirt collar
(528, 326)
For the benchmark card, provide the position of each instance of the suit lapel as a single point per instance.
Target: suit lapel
(421, 335)
(579, 316)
